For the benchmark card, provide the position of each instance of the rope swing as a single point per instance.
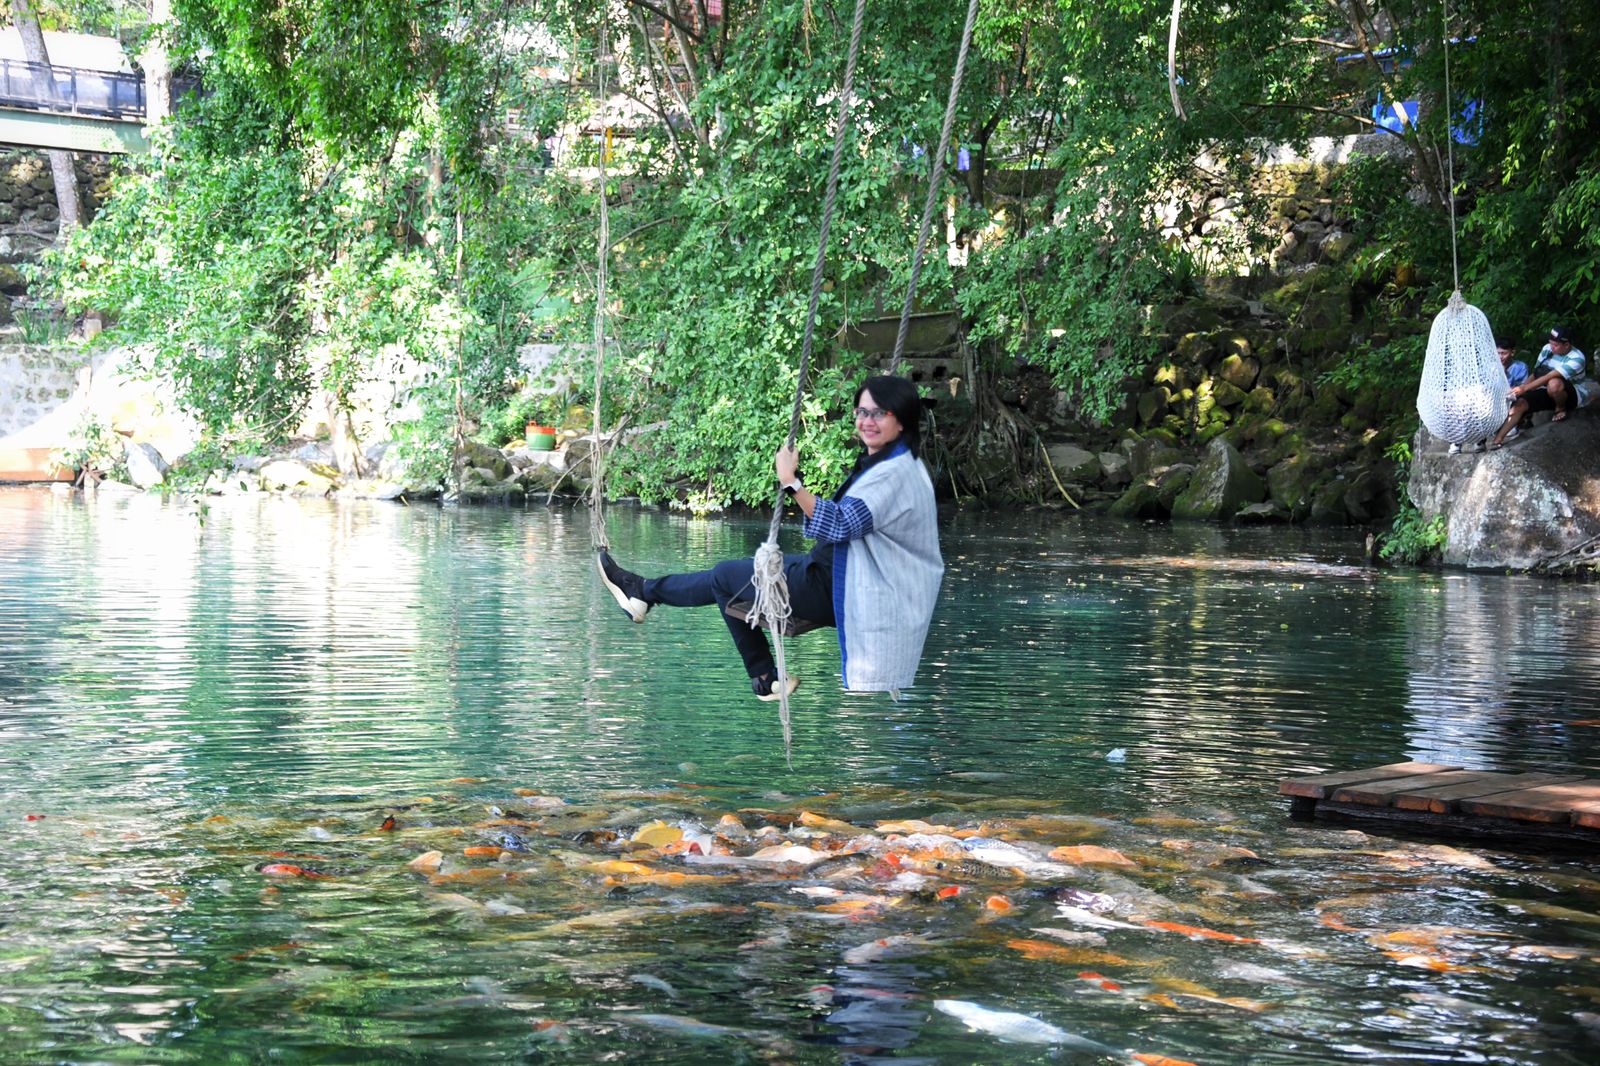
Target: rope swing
(771, 607)
(1462, 397)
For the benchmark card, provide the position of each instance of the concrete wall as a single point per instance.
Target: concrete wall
(33, 382)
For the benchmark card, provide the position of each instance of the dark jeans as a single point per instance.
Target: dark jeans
(810, 597)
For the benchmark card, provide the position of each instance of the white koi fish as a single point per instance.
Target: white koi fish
(1015, 1028)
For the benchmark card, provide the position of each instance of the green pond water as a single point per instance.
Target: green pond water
(198, 702)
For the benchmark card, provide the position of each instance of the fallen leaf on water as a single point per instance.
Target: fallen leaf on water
(997, 904)
(427, 863)
(1334, 920)
(1162, 999)
(949, 892)
(486, 852)
(1161, 1060)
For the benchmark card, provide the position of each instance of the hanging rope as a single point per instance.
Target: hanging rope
(1462, 396)
(597, 454)
(771, 589)
(1172, 61)
(1450, 154)
(933, 189)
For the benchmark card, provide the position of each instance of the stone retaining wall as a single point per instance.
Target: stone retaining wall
(33, 382)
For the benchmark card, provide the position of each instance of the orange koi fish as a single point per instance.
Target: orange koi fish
(1195, 932)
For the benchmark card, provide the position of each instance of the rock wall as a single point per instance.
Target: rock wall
(29, 215)
(34, 381)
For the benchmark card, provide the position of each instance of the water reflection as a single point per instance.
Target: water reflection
(270, 661)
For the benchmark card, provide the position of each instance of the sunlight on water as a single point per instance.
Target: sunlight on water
(190, 694)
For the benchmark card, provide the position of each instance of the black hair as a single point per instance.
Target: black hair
(900, 397)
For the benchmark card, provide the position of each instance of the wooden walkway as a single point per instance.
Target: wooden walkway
(1450, 798)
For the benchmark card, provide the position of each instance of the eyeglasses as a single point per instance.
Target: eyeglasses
(877, 414)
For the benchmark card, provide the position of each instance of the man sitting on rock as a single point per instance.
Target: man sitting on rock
(1516, 370)
(1557, 385)
(1516, 374)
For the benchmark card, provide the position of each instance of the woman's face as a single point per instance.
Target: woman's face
(876, 427)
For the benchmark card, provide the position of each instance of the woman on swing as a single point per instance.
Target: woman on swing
(874, 572)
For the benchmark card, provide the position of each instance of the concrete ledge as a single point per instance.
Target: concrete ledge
(31, 464)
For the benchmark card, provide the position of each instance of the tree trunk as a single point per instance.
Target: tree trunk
(66, 178)
(157, 65)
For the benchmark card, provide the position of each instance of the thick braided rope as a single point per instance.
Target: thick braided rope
(933, 189)
(770, 588)
(597, 494)
(1450, 151)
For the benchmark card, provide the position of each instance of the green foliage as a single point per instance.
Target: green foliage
(94, 450)
(1412, 539)
(364, 199)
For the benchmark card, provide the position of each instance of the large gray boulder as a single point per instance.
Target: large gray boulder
(1532, 500)
(146, 468)
(1222, 484)
(1072, 463)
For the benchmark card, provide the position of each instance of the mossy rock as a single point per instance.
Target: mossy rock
(1327, 504)
(1195, 348)
(1172, 481)
(1325, 410)
(1260, 400)
(1234, 344)
(1152, 455)
(1220, 486)
(1293, 483)
(1141, 501)
(1240, 371)
(1172, 376)
(1153, 405)
(1227, 394)
(1208, 433)
(1163, 434)
(1356, 422)
(1371, 497)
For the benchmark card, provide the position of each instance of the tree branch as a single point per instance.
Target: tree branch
(671, 19)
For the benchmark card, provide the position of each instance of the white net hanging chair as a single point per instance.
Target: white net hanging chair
(1463, 395)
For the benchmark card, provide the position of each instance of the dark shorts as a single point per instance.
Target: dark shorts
(1540, 399)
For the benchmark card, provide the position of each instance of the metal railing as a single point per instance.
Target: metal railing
(98, 93)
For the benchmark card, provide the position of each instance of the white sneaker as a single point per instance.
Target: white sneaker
(766, 689)
(1454, 449)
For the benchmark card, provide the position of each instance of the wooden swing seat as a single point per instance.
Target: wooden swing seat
(741, 609)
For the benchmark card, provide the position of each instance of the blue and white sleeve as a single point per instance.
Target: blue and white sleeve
(835, 522)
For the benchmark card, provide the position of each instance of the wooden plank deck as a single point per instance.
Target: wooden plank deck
(1433, 796)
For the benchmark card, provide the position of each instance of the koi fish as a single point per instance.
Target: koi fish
(1015, 1028)
(285, 869)
(1195, 932)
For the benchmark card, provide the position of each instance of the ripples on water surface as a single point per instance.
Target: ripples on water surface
(184, 693)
